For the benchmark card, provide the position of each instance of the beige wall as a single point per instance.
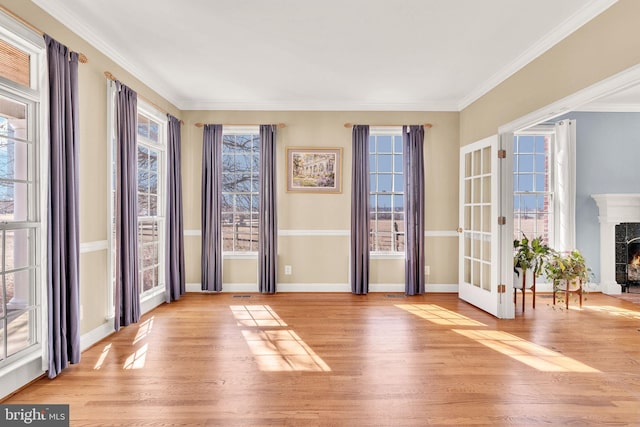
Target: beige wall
(607, 45)
(324, 259)
(92, 151)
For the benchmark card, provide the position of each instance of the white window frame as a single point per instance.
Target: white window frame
(152, 113)
(30, 362)
(155, 296)
(241, 130)
(392, 131)
(543, 130)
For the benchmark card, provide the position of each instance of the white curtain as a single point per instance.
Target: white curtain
(565, 175)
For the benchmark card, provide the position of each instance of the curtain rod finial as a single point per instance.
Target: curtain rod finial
(110, 76)
(348, 125)
(82, 58)
(428, 125)
(199, 125)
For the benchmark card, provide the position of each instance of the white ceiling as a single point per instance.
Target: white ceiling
(326, 54)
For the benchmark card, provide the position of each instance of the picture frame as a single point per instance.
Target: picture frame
(314, 170)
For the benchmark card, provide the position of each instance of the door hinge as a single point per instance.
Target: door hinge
(502, 154)
(502, 289)
(502, 220)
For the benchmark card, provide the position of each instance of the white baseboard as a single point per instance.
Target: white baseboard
(99, 333)
(324, 287)
(19, 374)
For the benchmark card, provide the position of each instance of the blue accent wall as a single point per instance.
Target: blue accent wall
(607, 161)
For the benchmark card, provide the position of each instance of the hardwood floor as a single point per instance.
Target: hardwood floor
(345, 360)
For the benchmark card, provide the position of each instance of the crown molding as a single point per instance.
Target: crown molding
(65, 16)
(186, 105)
(603, 107)
(570, 25)
(620, 81)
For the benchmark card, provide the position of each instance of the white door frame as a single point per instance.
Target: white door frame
(618, 82)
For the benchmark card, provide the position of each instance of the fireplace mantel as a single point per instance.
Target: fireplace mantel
(614, 209)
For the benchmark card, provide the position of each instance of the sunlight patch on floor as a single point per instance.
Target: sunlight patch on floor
(256, 315)
(439, 315)
(531, 354)
(144, 330)
(283, 350)
(616, 311)
(136, 360)
(275, 350)
(103, 356)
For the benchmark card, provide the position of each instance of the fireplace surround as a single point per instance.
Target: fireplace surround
(614, 209)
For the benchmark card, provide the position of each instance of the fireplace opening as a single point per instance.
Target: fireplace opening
(633, 263)
(628, 256)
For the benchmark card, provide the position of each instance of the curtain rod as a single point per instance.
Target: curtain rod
(110, 76)
(82, 58)
(350, 125)
(280, 125)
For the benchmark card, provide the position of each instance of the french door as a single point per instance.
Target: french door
(479, 239)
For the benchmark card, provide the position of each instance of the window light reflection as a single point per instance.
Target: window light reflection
(283, 350)
(616, 311)
(256, 315)
(531, 354)
(144, 330)
(136, 360)
(103, 356)
(439, 315)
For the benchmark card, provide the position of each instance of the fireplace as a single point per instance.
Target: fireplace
(628, 256)
(614, 210)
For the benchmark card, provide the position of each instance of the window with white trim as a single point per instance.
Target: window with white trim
(386, 190)
(151, 196)
(22, 163)
(240, 188)
(151, 145)
(533, 187)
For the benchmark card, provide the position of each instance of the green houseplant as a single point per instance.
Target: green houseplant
(568, 271)
(529, 257)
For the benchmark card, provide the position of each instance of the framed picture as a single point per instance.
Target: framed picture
(314, 170)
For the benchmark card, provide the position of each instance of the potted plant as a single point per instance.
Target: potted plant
(568, 271)
(529, 257)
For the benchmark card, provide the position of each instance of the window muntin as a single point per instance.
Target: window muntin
(533, 186)
(151, 166)
(240, 189)
(386, 190)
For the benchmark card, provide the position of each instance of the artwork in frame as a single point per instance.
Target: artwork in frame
(314, 170)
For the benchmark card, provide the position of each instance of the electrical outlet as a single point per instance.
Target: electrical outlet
(288, 270)
(427, 270)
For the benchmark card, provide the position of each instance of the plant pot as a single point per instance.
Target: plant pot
(574, 285)
(519, 277)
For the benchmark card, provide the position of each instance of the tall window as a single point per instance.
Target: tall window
(533, 184)
(151, 195)
(386, 190)
(151, 185)
(21, 235)
(240, 169)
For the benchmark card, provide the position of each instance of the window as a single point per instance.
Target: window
(386, 190)
(151, 211)
(21, 234)
(240, 170)
(151, 187)
(533, 184)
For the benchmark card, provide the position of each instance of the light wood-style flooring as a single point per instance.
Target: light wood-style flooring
(345, 360)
